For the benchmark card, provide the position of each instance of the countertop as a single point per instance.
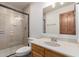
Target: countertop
(67, 48)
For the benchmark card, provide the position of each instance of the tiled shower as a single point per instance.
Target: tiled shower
(13, 28)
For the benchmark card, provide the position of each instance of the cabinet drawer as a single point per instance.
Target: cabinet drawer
(38, 49)
(49, 53)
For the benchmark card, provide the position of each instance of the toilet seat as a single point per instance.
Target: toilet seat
(23, 51)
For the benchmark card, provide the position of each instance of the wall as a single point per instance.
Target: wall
(77, 21)
(36, 19)
(52, 22)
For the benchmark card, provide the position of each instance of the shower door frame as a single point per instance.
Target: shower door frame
(18, 12)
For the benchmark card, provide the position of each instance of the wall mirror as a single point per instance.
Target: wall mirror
(59, 18)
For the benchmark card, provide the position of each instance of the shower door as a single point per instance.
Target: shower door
(13, 26)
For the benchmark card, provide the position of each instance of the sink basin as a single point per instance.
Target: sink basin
(55, 44)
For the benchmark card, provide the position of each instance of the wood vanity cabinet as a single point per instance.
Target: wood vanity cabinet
(38, 51)
(49, 53)
(67, 23)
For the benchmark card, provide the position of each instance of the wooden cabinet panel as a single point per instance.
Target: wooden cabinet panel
(63, 24)
(37, 50)
(67, 23)
(49, 53)
(71, 23)
(35, 54)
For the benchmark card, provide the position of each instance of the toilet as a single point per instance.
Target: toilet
(23, 51)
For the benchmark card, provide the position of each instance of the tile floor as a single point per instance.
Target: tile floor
(9, 51)
(13, 55)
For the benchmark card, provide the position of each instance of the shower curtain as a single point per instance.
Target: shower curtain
(13, 28)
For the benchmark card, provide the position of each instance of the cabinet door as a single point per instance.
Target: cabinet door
(49, 53)
(37, 51)
(71, 23)
(67, 23)
(35, 54)
(63, 23)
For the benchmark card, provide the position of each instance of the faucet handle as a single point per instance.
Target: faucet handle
(54, 39)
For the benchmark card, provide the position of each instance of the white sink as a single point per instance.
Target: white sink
(54, 44)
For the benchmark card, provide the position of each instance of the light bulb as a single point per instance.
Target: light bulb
(61, 3)
(53, 5)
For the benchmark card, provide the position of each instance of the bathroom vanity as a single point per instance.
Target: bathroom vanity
(39, 51)
(42, 48)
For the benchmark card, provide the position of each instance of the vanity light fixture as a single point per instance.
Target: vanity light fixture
(53, 5)
(61, 3)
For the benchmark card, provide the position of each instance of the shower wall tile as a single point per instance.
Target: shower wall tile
(13, 25)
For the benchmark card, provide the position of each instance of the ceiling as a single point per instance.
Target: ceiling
(16, 5)
(22, 5)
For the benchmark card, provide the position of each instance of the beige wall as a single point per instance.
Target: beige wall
(36, 18)
(77, 21)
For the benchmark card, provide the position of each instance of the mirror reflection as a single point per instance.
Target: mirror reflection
(59, 18)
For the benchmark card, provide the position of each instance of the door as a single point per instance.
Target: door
(71, 23)
(67, 23)
(63, 23)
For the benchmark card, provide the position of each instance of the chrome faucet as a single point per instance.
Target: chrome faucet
(54, 39)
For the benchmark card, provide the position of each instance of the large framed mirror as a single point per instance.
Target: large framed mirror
(60, 18)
